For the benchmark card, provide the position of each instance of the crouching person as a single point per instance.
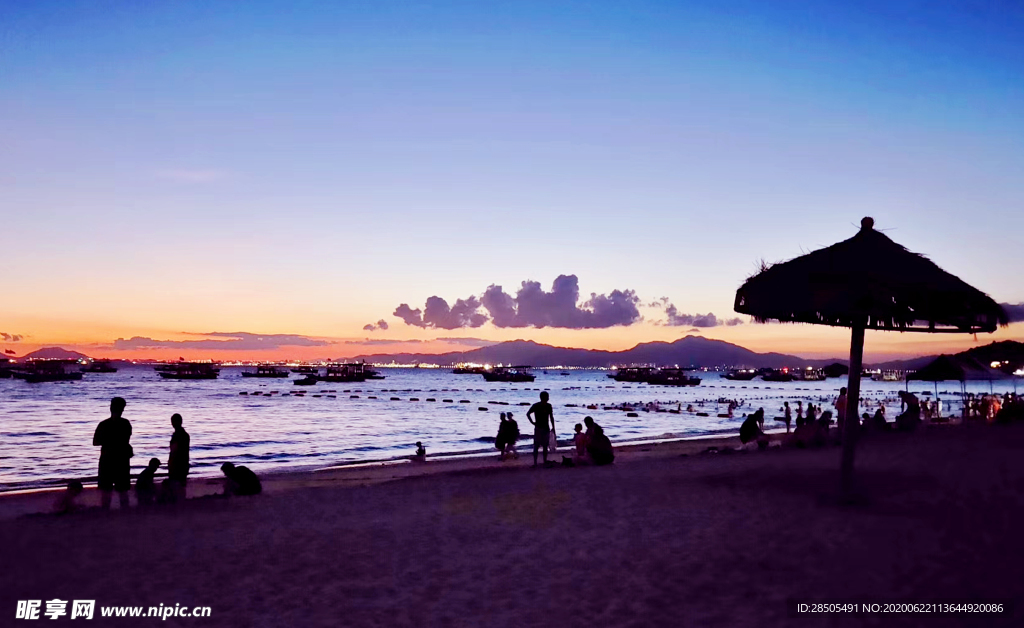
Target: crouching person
(240, 480)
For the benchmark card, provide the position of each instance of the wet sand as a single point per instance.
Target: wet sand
(659, 538)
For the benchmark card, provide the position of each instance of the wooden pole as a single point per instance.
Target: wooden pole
(852, 421)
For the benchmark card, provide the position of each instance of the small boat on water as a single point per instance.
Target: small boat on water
(99, 366)
(347, 372)
(633, 373)
(189, 370)
(308, 380)
(509, 374)
(740, 375)
(672, 377)
(372, 373)
(809, 374)
(887, 376)
(38, 371)
(265, 370)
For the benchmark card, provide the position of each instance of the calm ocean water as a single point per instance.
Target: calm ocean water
(46, 429)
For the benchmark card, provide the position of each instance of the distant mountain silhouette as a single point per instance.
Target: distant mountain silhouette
(53, 353)
(689, 351)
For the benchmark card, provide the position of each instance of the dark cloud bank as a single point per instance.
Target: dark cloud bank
(11, 337)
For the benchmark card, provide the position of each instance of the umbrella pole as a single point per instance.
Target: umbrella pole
(852, 408)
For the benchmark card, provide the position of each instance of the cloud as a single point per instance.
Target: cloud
(381, 325)
(675, 319)
(9, 351)
(534, 307)
(438, 315)
(1015, 312)
(469, 342)
(190, 175)
(232, 341)
(693, 330)
(380, 341)
(11, 337)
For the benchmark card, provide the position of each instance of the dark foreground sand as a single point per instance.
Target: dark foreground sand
(659, 539)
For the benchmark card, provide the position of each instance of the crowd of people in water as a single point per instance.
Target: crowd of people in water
(113, 437)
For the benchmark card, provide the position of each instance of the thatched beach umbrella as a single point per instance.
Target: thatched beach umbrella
(866, 282)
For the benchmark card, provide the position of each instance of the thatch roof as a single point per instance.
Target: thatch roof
(955, 368)
(869, 279)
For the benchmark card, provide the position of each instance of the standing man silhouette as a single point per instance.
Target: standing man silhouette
(545, 415)
(177, 461)
(112, 436)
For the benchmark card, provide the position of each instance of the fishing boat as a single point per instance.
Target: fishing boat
(99, 366)
(887, 376)
(509, 374)
(740, 375)
(189, 370)
(780, 375)
(6, 366)
(347, 372)
(38, 371)
(809, 374)
(308, 380)
(633, 374)
(672, 377)
(265, 370)
(372, 373)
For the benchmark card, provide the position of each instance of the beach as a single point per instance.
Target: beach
(668, 535)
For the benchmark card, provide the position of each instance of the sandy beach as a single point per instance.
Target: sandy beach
(668, 536)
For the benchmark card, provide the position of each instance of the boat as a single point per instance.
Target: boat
(99, 366)
(633, 374)
(265, 370)
(5, 368)
(509, 374)
(781, 375)
(740, 375)
(672, 377)
(887, 376)
(307, 370)
(809, 374)
(372, 373)
(189, 370)
(468, 370)
(346, 372)
(308, 380)
(38, 371)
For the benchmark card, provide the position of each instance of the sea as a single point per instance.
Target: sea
(46, 429)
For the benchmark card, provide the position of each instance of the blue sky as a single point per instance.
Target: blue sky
(288, 167)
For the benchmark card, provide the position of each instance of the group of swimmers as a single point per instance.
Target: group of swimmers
(113, 437)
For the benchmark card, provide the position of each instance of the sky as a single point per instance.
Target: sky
(295, 171)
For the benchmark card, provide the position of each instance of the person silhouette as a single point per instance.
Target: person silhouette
(545, 415)
(240, 480)
(177, 461)
(112, 437)
(145, 484)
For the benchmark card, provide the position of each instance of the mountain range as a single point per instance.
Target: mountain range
(689, 351)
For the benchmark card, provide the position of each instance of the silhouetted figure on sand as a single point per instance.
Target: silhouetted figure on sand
(112, 437)
(145, 484)
(579, 440)
(543, 426)
(598, 446)
(752, 429)
(508, 433)
(911, 417)
(65, 503)
(787, 415)
(240, 480)
(178, 460)
(841, 402)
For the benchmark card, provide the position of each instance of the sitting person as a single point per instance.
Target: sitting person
(752, 430)
(240, 480)
(809, 433)
(911, 417)
(580, 441)
(599, 448)
(421, 453)
(145, 486)
(66, 501)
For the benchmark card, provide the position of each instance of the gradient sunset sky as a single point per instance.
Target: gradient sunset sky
(170, 169)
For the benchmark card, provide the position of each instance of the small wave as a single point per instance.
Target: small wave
(26, 434)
